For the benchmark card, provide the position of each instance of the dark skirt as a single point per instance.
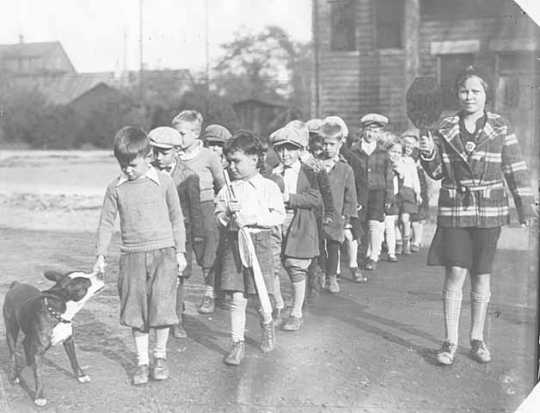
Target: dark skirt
(407, 201)
(233, 276)
(472, 248)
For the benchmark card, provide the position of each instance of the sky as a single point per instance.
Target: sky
(94, 32)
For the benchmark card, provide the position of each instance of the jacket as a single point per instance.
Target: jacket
(472, 190)
(187, 185)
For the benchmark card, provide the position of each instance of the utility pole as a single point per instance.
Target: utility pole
(207, 56)
(141, 68)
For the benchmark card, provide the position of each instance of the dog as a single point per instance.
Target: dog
(45, 319)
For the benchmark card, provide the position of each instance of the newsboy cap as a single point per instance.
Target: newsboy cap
(164, 137)
(295, 133)
(216, 133)
(314, 125)
(374, 119)
(334, 125)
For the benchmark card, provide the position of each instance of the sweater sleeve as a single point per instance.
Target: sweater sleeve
(175, 216)
(109, 210)
(217, 171)
(433, 164)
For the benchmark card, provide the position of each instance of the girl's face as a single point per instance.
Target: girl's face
(288, 153)
(409, 144)
(472, 95)
(242, 165)
(331, 147)
(395, 152)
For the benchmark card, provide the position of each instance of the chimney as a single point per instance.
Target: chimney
(21, 39)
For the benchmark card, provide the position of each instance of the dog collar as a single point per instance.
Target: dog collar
(55, 313)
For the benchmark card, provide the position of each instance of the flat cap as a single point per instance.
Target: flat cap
(374, 119)
(314, 125)
(164, 137)
(295, 133)
(333, 126)
(216, 133)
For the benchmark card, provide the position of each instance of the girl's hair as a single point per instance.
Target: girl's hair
(472, 71)
(129, 143)
(247, 142)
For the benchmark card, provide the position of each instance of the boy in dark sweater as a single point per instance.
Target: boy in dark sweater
(152, 250)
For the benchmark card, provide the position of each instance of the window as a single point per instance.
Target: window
(458, 9)
(389, 19)
(450, 66)
(343, 25)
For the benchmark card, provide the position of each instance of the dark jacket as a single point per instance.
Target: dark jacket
(187, 185)
(302, 237)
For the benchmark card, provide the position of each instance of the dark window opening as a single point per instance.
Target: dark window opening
(389, 19)
(451, 66)
(343, 25)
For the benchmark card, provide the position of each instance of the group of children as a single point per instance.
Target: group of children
(313, 190)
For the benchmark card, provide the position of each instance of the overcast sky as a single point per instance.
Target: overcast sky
(92, 31)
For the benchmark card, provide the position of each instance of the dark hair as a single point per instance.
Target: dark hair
(247, 142)
(472, 71)
(130, 142)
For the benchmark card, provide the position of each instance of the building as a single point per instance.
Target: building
(367, 53)
(259, 114)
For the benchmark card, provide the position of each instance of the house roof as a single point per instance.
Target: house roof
(38, 49)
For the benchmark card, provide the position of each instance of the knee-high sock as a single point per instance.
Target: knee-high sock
(299, 291)
(452, 310)
(278, 298)
(238, 316)
(208, 275)
(160, 348)
(417, 233)
(352, 251)
(180, 299)
(376, 232)
(390, 232)
(141, 346)
(479, 307)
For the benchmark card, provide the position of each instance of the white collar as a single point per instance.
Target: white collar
(295, 167)
(151, 174)
(186, 156)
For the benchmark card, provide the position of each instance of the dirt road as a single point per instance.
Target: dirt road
(368, 349)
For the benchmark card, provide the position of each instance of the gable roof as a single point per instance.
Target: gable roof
(37, 50)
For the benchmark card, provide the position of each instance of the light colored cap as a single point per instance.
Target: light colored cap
(374, 118)
(216, 133)
(314, 125)
(164, 137)
(295, 132)
(334, 125)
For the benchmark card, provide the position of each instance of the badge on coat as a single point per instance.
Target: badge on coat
(469, 146)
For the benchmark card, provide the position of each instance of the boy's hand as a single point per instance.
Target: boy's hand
(426, 145)
(181, 260)
(234, 207)
(99, 266)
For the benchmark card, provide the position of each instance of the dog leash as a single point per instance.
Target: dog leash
(55, 313)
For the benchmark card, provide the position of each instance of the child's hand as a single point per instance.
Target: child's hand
(181, 261)
(286, 196)
(99, 266)
(418, 199)
(234, 207)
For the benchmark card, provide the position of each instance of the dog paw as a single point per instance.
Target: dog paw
(40, 402)
(84, 379)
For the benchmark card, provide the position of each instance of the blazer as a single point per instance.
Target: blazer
(472, 190)
(189, 192)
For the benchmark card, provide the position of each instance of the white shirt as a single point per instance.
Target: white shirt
(258, 197)
(290, 176)
(368, 147)
(150, 174)
(407, 171)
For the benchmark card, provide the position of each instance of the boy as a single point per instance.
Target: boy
(207, 166)
(152, 250)
(165, 142)
(341, 178)
(215, 137)
(302, 198)
(254, 204)
(373, 167)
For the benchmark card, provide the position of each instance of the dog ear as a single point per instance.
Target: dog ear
(54, 276)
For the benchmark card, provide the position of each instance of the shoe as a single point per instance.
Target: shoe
(268, 339)
(207, 305)
(371, 265)
(293, 323)
(415, 247)
(357, 275)
(141, 375)
(160, 371)
(399, 249)
(446, 354)
(392, 258)
(236, 355)
(480, 352)
(178, 331)
(277, 316)
(333, 285)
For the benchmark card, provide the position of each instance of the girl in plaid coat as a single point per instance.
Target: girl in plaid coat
(473, 153)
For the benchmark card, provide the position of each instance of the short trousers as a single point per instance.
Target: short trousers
(147, 288)
(472, 248)
(297, 268)
(407, 201)
(211, 234)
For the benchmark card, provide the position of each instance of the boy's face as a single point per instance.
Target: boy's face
(288, 153)
(163, 157)
(395, 153)
(409, 144)
(136, 168)
(189, 133)
(216, 147)
(242, 165)
(372, 132)
(331, 147)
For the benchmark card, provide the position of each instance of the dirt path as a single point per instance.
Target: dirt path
(369, 349)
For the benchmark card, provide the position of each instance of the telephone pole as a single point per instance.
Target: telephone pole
(141, 68)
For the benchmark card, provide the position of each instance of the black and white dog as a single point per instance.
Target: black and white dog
(45, 319)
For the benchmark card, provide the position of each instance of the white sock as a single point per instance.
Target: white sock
(452, 310)
(299, 289)
(209, 291)
(390, 231)
(238, 316)
(376, 232)
(160, 348)
(352, 251)
(418, 232)
(141, 347)
(278, 298)
(479, 307)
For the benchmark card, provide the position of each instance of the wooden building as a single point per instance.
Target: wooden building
(367, 52)
(30, 59)
(259, 114)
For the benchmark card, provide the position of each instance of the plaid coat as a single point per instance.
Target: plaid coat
(472, 189)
